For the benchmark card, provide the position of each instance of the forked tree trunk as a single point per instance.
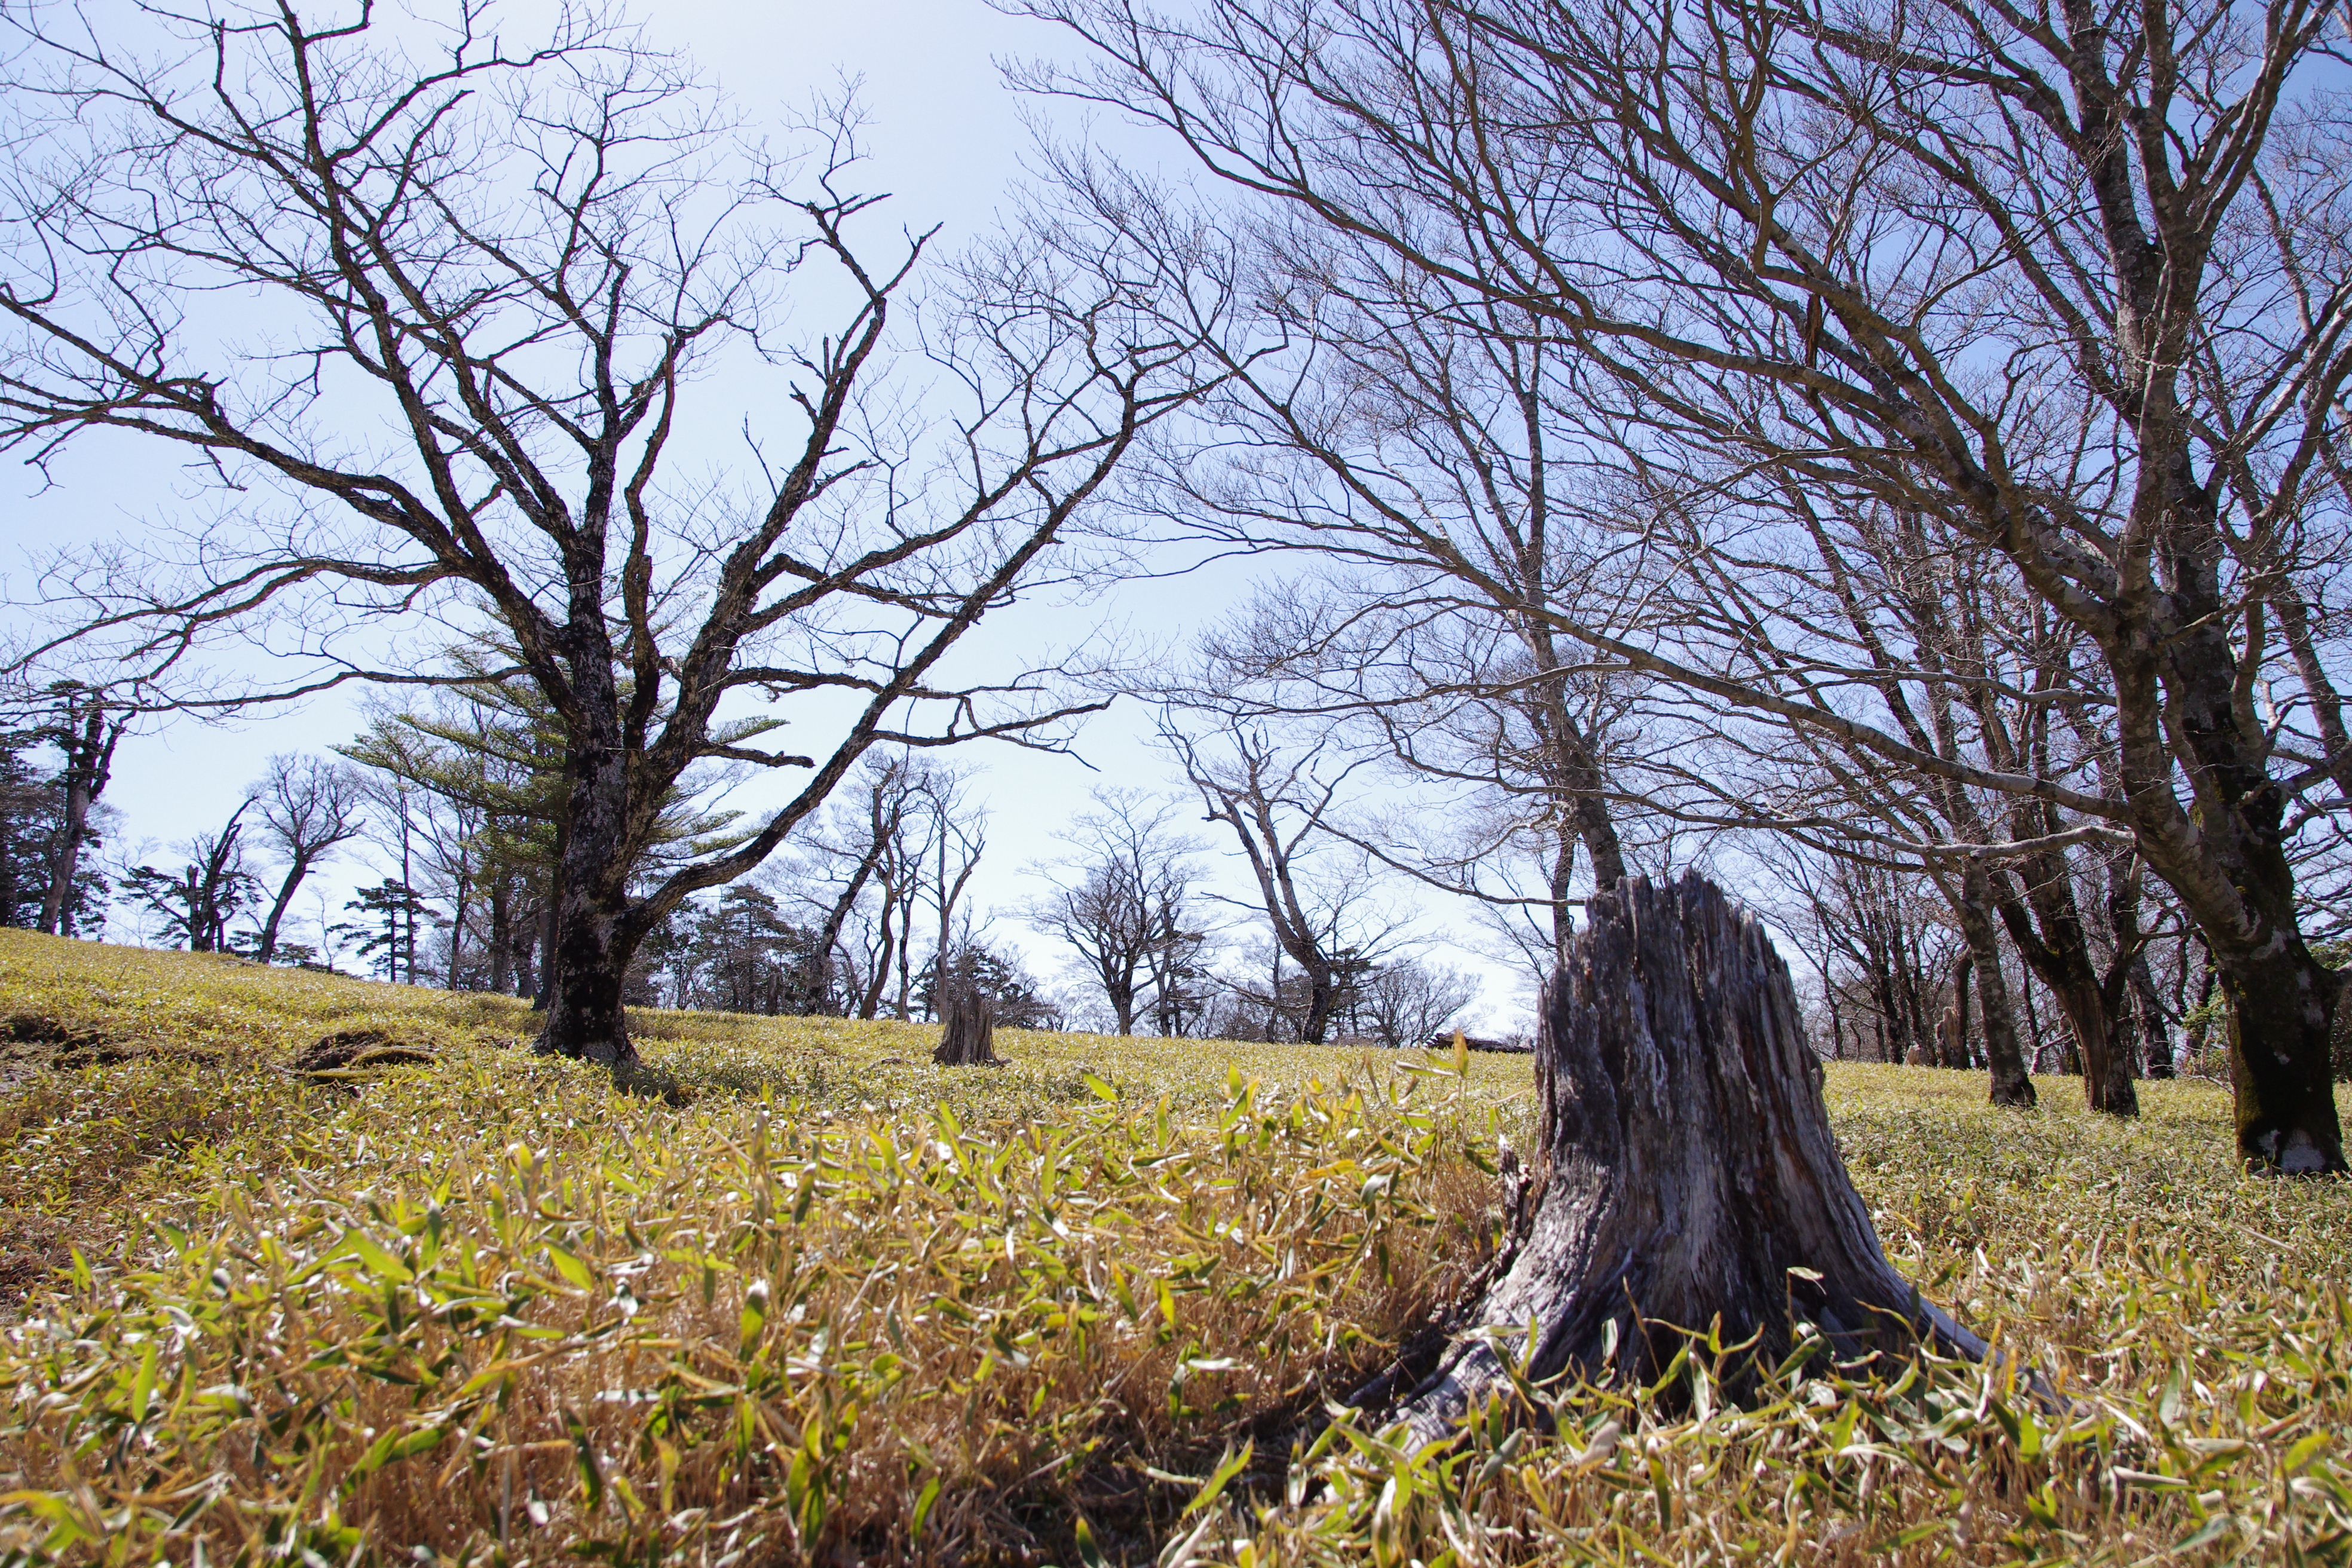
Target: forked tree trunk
(967, 1027)
(1689, 1177)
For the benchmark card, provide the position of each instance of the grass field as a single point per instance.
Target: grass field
(816, 1300)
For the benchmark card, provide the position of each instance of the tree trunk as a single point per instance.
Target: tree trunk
(1953, 1035)
(1689, 1174)
(584, 1014)
(587, 967)
(268, 949)
(1322, 994)
(2012, 1085)
(501, 953)
(2051, 940)
(967, 1027)
(89, 764)
(2156, 1033)
(2193, 1035)
(2105, 1057)
(2229, 862)
(2282, 1007)
(817, 983)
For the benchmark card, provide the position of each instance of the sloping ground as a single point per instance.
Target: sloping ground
(820, 1301)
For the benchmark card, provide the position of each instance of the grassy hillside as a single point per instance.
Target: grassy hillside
(815, 1300)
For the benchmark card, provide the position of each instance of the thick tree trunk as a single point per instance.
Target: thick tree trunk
(2012, 1085)
(2282, 1012)
(967, 1027)
(587, 966)
(585, 1019)
(1689, 1176)
(2229, 861)
(2106, 1057)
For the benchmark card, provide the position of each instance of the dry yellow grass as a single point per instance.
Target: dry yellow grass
(819, 1301)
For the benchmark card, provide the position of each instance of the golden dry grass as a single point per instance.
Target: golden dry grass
(820, 1301)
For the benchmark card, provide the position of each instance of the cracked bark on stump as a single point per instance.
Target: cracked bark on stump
(967, 1029)
(1687, 1172)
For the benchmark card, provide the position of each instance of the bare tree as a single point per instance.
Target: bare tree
(958, 828)
(1932, 258)
(832, 870)
(308, 806)
(85, 728)
(518, 263)
(1409, 1002)
(1515, 765)
(211, 890)
(1280, 807)
(1180, 960)
(904, 843)
(1121, 900)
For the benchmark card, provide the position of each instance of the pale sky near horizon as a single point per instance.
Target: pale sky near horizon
(947, 140)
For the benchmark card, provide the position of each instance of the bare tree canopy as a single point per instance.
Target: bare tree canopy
(1122, 901)
(431, 308)
(2072, 287)
(1322, 908)
(306, 806)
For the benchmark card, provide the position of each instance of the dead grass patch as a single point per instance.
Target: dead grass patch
(831, 1303)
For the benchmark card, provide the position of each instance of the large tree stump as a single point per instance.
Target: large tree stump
(967, 1027)
(1687, 1177)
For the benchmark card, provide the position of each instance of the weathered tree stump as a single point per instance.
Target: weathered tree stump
(967, 1027)
(1687, 1177)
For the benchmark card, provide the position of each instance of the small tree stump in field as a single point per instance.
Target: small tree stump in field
(967, 1027)
(1687, 1174)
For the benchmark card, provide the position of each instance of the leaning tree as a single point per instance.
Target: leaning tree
(2074, 282)
(433, 313)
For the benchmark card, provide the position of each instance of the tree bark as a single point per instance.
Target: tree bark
(2053, 942)
(2012, 1085)
(2227, 861)
(2282, 1007)
(89, 764)
(501, 950)
(584, 1014)
(967, 1026)
(2156, 1033)
(1689, 1174)
(1953, 1035)
(299, 869)
(594, 938)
